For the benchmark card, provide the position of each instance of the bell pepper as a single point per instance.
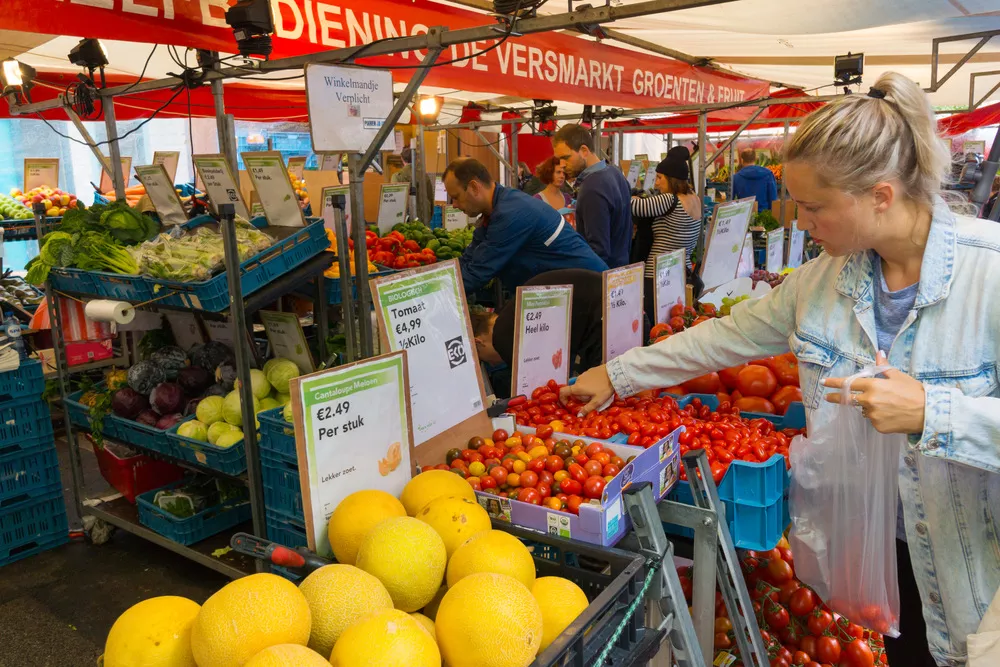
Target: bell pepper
(399, 263)
(411, 245)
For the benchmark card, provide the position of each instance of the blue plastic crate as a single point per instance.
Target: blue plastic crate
(33, 547)
(285, 532)
(77, 413)
(333, 291)
(140, 435)
(282, 488)
(101, 284)
(794, 417)
(33, 523)
(45, 439)
(213, 295)
(229, 460)
(27, 475)
(24, 419)
(26, 381)
(187, 531)
(73, 281)
(273, 437)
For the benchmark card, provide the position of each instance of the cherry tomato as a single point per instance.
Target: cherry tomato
(802, 602)
(544, 432)
(544, 490)
(800, 658)
(487, 482)
(573, 504)
(593, 468)
(723, 625)
(553, 503)
(808, 645)
(776, 617)
(779, 662)
(529, 479)
(722, 640)
(786, 590)
(819, 621)
(859, 653)
(594, 487)
(571, 487)
(577, 472)
(530, 496)
(779, 571)
(594, 448)
(536, 465)
(553, 464)
(610, 470)
(827, 649)
(499, 435)
(474, 483)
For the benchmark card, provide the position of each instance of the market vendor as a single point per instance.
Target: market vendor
(518, 236)
(903, 276)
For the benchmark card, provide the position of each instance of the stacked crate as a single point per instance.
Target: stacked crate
(32, 510)
(282, 491)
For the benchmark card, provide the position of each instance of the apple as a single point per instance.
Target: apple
(37, 198)
(64, 199)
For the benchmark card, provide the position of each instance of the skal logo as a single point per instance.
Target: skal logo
(456, 352)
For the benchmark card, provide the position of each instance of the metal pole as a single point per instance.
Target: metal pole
(784, 190)
(735, 135)
(702, 164)
(344, 258)
(225, 124)
(420, 174)
(598, 144)
(516, 179)
(82, 129)
(493, 149)
(358, 226)
(981, 192)
(114, 151)
(616, 144)
(732, 168)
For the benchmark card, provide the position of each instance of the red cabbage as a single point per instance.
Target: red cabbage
(128, 403)
(168, 421)
(167, 398)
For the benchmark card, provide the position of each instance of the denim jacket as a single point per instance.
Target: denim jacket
(949, 475)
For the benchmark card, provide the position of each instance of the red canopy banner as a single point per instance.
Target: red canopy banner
(961, 123)
(552, 66)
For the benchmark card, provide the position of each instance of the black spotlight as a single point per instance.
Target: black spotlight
(252, 26)
(847, 70)
(89, 53)
(16, 76)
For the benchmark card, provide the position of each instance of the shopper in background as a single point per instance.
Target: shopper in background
(523, 175)
(676, 220)
(754, 181)
(901, 275)
(603, 203)
(552, 174)
(405, 175)
(518, 236)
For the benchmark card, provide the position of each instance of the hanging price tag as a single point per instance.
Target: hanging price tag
(160, 190)
(352, 432)
(270, 179)
(328, 194)
(542, 342)
(622, 310)
(169, 160)
(775, 250)
(107, 185)
(288, 341)
(297, 167)
(392, 205)
(423, 311)
(329, 161)
(347, 106)
(219, 184)
(725, 242)
(455, 219)
(796, 244)
(671, 282)
(184, 326)
(440, 193)
(41, 171)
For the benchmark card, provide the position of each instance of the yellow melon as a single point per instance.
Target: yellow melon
(432, 484)
(425, 622)
(431, 608)
(153, 633)
(355, 516)
(561, 601)
(455, 520)
(508, 637)
(492, 551)
(389, 638)
(408, 557)
(245, 617)
(288, 655)
(339, 596)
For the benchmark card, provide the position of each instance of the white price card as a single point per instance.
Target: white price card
(347, 107)
(184, 326)
(221, 331)
(107, 185)
(423, 311)
(328, 195)
(622, 310)
(634, 171)
(352, 433)
(41, 171)
(746, 258)
(270, 179)
(288, 341)
(725, 241)
(219, 183)
(297, 167)
(543, 317)
(440, 193)
(671, 283)
(775, 250)
(392, 205)
(160, 190)
(169, 160)
(796, 244)
(642, 157)
(329, 161)
(455, 219)
(649, 182)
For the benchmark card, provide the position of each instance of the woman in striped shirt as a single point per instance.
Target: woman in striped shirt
(676, 213)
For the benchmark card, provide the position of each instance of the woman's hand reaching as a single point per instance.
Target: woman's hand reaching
(593, 388)
(894, 404)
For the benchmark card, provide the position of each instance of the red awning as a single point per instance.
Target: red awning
(961, 123)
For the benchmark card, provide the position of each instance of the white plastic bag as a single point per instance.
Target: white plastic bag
(984, 646)
(843, 501)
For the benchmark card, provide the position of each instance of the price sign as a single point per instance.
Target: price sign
(775, 250)
(328, 195)
(642, 157)
(671, 283)
(160, 190)
(634, 171)
(796, 244)
(542, 343)
(622, 310)
(347, 107)
(270, 179)
(284, 332)
(169, 160)
(41, 171)
(352, 432)
(219, 183)
(297, 167)
(329, 162)
(423, 311)
(392, 205)
(221, 331)
(257, 210)
(455, 219)
(725, 242)
(746, 258)
(440, 193)
(649, 182)
(184, 326)
(107, 185)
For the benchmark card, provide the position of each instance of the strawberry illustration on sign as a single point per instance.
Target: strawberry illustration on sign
(557, 359)
(635, 326)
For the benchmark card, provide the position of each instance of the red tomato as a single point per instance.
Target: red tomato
(594, 487)
(573, 504)
(827, 649)
(499, 435)
(722, 640)
(530, 496)
(529, 479)
(728, 376)
(800, 658)
(544, 490)
(676, 390)
(593, 468)
(776, 617)
(786, 369)
(786, 590)
(785, 397)
(660, 330)
(859, 653)
(544, 432)
(818, 622)
(754, 403)
(610, 470)
(487, 482)
(705, 384)
(802, 602)
(571, 487)
(545, 477)
(808, 645)
(553, 464)
(577, 472)
(594, 448)
(778, 570)
(676, 310)
(756, 381)
(676, 323)
(779, 662)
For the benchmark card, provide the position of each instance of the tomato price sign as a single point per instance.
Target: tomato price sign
(622, 310)
(775, 250)
(392, 205)
(671, 283)
(277, 196)
(542, 343)
(284, 333)
(725, 242)
(169, 160)
(41, 171)
(796, 244)
(219, 183)
(352, 432)
(423, 311)
(160, 190)
(328, 194)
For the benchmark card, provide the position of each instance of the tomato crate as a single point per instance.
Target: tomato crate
(213, 294)
(24, 419)
(277, 436)
(33, 525)
(28, 474)
(135, 474)
(282, 488)
(189, 530)
(230, 460)
(334, 293)
(26, 382)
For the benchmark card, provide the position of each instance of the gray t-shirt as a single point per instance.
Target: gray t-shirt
(891, 309)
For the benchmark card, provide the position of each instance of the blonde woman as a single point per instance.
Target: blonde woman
(901, 276)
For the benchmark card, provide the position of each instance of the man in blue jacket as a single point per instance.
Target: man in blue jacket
(604, 202)
(754, 181)
(518, 236)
